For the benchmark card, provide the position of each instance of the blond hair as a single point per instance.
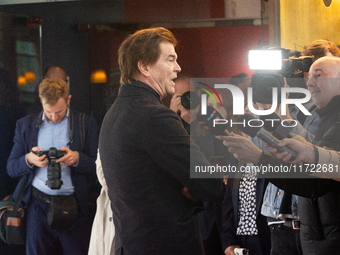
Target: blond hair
(51, 90)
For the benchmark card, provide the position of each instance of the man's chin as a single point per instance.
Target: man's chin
(170, 92)
(54, 122)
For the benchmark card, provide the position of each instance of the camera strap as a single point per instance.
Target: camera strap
(70, 126)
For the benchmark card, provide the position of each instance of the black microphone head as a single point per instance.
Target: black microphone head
(270, 125)
(208, 121)
(247, 129)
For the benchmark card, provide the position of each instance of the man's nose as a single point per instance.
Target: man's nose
(54, 117)
(310, 82)
(177, 67)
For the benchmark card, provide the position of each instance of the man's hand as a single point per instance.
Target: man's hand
(304, 149)
(70, 158)
(34, 159)
(225, 179)
(242, 148)
(175, 103)
(187, 115)
(187, 194)
(230, 250)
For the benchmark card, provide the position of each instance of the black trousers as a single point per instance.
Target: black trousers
(41, 239)
(252, 243)
(285, 240)
(213, 245)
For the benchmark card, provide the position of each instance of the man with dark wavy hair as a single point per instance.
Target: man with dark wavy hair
(145, 153)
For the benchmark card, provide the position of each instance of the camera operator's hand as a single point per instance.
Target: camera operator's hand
(230, 250)
(187, 115)
(175, 103)
(34, 160)
(71, 157)
(187, 194)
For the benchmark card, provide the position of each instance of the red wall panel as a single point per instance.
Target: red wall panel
(217, 52)
(210, 52)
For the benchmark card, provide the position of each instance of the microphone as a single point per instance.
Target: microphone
(275, 127)
(261, 133)
(213, 121)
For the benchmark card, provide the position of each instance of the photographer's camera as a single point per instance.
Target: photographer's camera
(53, 169)
(190, 100)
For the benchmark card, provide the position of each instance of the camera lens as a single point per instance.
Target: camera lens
(54, 169)
(190, 100)
(263, 84)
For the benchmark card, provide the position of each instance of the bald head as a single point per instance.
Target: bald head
(55, 72)
(324, 80)
(330, 65)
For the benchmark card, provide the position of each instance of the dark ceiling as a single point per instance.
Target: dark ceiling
(72, 12)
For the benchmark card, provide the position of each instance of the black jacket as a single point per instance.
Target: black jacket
(319, 201)
(145, 154)
(26, 135)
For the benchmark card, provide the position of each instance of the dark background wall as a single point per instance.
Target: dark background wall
(217, 51)
(63, 44)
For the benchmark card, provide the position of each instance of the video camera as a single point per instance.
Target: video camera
(54, 169)
(288, 63)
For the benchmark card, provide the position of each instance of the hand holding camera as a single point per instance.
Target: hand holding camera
(185, 105)
(34, 160)
(70, 157)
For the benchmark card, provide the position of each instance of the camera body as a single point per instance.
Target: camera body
(280, 61)
(53, 169)
(295, 67)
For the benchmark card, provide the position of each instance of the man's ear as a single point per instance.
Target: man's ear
(68, 100)
(143, 68)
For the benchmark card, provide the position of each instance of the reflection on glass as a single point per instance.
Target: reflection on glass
(20, 52)
(27, 54)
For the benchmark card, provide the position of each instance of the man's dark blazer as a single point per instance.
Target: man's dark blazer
(25, 138)
(145, 154)
(230, 215)
(212, 213)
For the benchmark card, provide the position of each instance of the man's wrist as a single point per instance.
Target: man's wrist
(27, 162)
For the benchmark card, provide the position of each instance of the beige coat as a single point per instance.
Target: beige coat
(103, 229)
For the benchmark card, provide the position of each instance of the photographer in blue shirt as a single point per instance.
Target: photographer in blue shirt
(57, 149)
